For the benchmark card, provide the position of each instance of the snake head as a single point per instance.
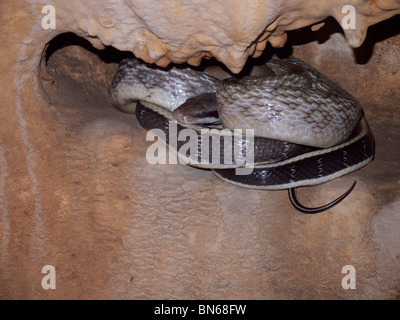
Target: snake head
(201, 109)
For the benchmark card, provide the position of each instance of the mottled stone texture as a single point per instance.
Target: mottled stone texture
(76, 191)
(230, 30)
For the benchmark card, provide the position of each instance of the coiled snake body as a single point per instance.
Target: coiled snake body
(308, 130)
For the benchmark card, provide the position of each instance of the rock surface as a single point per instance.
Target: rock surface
(230, 31)
(76, 191)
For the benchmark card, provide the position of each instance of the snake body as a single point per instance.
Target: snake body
(308, 129)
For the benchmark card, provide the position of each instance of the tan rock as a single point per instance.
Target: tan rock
(176, 31)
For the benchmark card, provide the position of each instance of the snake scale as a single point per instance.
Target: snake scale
(307, 130)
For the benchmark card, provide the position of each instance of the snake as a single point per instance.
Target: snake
(304, 129)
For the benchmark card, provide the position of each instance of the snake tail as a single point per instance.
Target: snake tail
(295, 202)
